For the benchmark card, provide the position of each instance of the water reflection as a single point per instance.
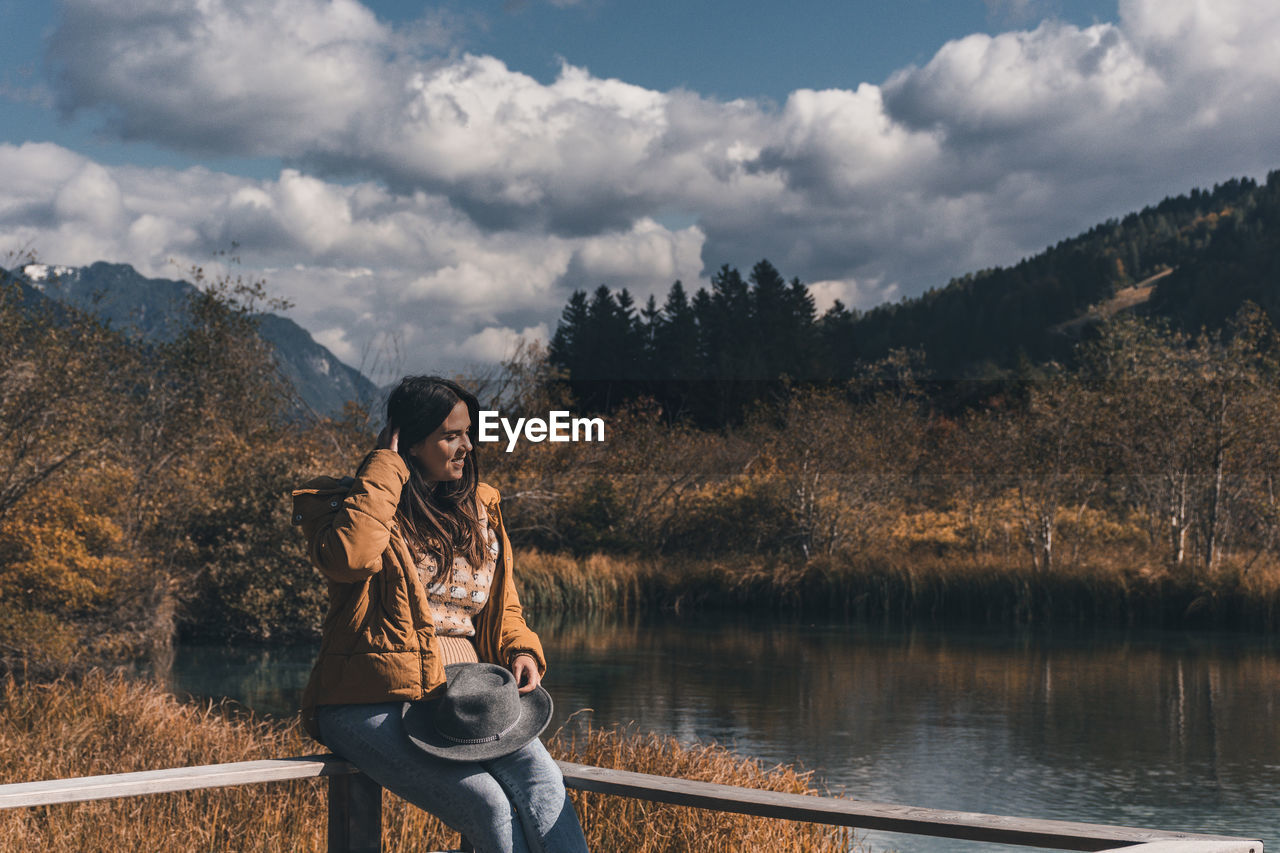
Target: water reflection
(266, 680)
(1151, 729)
(1145, 729)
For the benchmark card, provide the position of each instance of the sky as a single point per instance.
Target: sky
(429, 183)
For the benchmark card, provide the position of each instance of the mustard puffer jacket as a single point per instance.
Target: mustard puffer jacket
(378, 643)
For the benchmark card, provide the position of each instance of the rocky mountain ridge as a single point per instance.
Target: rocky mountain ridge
(154, 308)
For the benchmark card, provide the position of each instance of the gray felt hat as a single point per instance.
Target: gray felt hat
(482, 715)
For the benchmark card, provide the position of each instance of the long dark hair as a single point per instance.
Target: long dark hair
(439, 519)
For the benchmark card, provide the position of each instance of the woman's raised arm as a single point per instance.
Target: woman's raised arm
(347, 533)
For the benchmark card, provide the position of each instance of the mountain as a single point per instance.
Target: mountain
(154, 308)
(1192, 259)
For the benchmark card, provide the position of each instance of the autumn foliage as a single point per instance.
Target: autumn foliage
(142, 483)
(144, 488)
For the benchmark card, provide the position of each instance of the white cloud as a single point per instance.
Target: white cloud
(826, 293)
(338, 343)
(370, 271)
(493, 344)
(636, 259)
(838, 143)
(271, 77)
(90, 196)
(1189, 37)
(1047, 78)
(476, 196)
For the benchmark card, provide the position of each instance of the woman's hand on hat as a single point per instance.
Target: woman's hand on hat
(525, 669)
(389, 438)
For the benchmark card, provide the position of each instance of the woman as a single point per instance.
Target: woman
(419, 570)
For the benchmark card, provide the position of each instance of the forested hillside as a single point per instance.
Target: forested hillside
(710, 353)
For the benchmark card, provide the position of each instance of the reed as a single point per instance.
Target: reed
(598, 583)
(1117, 585)
(111, 724)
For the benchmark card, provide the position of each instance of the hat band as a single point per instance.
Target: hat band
(489, 739)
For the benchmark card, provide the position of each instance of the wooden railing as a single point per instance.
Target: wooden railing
(355, 806)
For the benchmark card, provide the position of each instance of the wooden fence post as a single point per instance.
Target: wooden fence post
(355, 814)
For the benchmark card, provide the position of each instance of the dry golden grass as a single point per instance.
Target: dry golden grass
(111, 724)
(581, 585)
(961, 562)
(103, 724)
(1112, 582)
(644, 826)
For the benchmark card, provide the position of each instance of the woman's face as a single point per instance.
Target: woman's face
(442, 453)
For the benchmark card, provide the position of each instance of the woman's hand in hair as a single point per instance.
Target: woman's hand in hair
(389, 438)
(525, 669)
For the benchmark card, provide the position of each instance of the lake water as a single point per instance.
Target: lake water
(1152, 729)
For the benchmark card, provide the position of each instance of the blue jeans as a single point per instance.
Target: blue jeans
(513, 804)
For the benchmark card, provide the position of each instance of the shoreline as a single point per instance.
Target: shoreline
(930, 590)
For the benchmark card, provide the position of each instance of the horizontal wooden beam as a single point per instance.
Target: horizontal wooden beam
(1186, 845)
(83, 788)
(862, 814)
(971, 826)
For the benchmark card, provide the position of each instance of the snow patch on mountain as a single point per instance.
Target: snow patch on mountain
(38, 275)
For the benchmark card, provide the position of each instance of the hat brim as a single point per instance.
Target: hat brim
(535, 714)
